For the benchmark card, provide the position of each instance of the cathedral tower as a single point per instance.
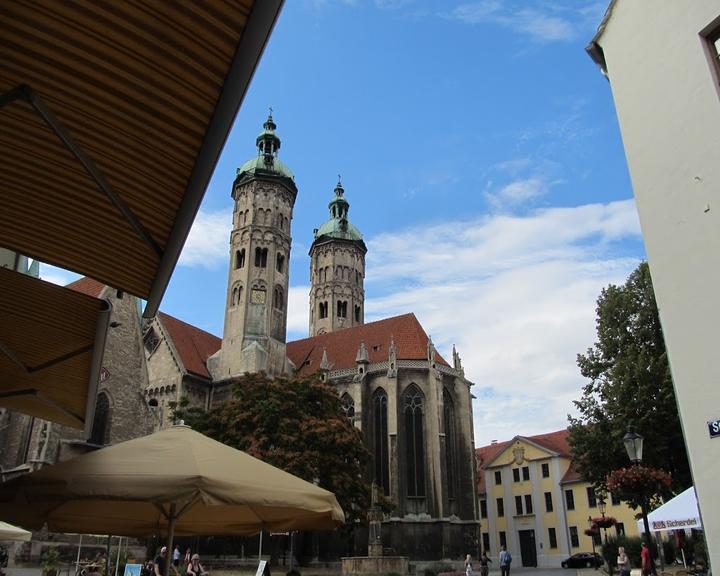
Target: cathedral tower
(256, 307)
(337, 271)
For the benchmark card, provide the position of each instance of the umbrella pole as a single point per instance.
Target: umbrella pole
(117, 557)
(107, 555)
(172, 518)
(77, 562)
(260, 548)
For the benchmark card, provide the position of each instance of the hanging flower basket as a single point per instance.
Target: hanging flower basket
(636, 482)
(604, 521)
(592, 532)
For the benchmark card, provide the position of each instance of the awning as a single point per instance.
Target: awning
(677, 514)
(112, 118)
(51, 345)
(10, 532)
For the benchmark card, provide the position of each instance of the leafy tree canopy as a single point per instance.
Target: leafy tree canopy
(296, 425)
(630, 384)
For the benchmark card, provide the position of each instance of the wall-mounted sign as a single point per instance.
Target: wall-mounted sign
(714, 428)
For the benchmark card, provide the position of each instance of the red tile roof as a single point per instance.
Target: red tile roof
(193, 345)
(484, 455)
(88, 286)
(572, 475)
(342, 346)
(553, 441)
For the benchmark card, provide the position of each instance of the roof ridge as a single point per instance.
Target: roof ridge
(361, 326)
(171, 317)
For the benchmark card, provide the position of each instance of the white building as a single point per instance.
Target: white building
(663, 63)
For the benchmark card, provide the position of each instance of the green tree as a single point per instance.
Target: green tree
(630, 383)
(296, 425)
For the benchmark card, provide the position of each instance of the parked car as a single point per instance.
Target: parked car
(583, 560)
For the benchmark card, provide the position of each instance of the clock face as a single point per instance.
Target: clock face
(257, 296)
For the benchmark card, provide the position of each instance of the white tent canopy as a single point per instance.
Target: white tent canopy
(10, 532)
(677, 514)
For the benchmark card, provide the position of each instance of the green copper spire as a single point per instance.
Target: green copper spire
(339, 226)
(268, 144)
(267, 141)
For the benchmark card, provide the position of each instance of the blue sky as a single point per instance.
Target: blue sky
(481, 156)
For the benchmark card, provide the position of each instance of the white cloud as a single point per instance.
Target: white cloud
(207, 243)
(540, 23)
(516, 294)
(517, 193)
(298, 320)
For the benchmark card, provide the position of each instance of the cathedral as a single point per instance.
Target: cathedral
(412, 406)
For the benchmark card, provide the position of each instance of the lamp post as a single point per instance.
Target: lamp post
(592, 537)
(602, 506)
(634, 448)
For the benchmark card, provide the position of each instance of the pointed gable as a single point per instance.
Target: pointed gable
(552, 442)
(342, 346)
(193, 345)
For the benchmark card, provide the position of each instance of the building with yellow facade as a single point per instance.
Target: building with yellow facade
(533, 501)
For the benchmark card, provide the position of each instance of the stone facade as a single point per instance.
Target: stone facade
(256, 307)
(413, 408)
(337, 272)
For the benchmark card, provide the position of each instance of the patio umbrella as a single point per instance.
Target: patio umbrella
(10, 532)
(175, 481)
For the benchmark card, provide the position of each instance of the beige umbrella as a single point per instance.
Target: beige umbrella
(176, 481)
(10, 532)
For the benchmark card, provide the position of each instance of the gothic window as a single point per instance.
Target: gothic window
(380, 439)
(357, 313)
(278, 298)
(101, 421)
(151, 340)
(280, 262)
(342, 309)
(323, 311)
(348, 406)
(261, 257)
(414, 441)
(450, 442)
(239, 258)
(237, 294)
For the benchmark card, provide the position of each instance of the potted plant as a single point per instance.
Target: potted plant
(50, 562)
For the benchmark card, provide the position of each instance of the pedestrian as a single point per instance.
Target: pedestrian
(195, 568)
(484, 561)
(468, 566)
(187, 558)
(176, 556)
(646, 558)
(505, 560)
(160, 561)
(623, 562)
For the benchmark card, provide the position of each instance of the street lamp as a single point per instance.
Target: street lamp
(602, 506)
(634, 448)
(591, 526)
(633, 445)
